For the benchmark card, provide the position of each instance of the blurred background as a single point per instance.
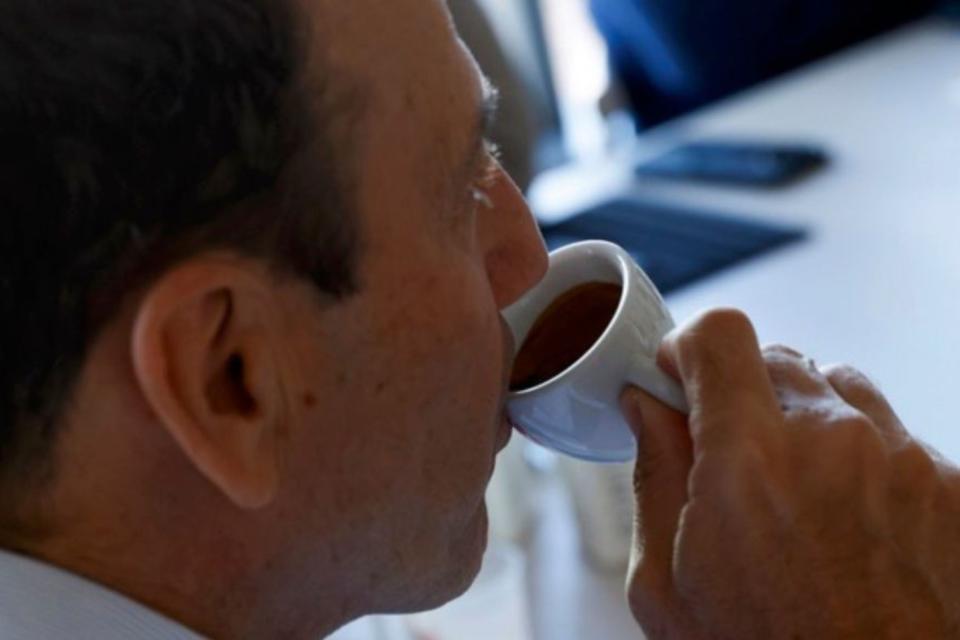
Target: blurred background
(794, 158)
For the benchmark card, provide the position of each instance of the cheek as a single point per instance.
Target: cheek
(468, 340)
(453, 378)
(411, 413)
(462, 364)
(467, 382)
(447, 329)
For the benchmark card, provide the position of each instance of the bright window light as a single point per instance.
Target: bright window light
(581, 73)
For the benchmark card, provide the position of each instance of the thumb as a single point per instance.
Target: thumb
(664, 459)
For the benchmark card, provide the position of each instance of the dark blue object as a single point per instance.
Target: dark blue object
(675, 55)
(757, 164)
(674, 246)
(950, 9)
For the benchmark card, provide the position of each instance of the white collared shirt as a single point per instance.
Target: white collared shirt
(41, 602)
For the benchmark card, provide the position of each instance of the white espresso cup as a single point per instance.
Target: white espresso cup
(577, 411)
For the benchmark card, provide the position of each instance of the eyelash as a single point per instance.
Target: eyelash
(488, 176)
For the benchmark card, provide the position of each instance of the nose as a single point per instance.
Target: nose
(516, 257)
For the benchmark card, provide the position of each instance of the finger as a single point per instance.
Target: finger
(724, 374)
(666, 362)
(781, 349)
(664, 459)
(859, 392)
(795, 377)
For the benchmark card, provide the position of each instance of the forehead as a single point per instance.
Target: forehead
(423, 86)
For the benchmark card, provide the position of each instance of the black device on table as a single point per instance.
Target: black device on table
(675, 245)
(737, 163)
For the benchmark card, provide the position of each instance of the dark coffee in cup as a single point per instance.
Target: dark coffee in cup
(563, 332)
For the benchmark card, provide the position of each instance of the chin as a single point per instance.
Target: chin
(460, 567)
(472, 551)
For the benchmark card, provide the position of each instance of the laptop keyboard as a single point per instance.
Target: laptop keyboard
(674, 246)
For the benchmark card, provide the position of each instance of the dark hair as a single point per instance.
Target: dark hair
(133, 133)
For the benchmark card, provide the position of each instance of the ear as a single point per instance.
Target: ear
(205, 340)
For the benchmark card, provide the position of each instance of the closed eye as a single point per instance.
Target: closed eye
(488, 175)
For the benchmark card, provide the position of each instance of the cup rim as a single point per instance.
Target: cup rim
(622, 261)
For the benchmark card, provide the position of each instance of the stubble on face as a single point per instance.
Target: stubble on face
(404, 424)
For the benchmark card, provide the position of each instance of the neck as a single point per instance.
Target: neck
(200, 575)
(179, 585)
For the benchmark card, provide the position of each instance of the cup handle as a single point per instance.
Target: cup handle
(645, 374)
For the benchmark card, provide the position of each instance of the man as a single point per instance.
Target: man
(254, 366)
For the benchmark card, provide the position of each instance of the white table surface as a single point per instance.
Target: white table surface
(877, 283)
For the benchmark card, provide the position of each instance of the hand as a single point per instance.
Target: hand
(791, 503)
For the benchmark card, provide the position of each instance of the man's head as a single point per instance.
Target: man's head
(287, 356)
(133, 134)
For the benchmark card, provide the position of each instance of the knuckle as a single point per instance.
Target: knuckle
(706, 473)
(839, 369)
(777, 351)
(832, 423)
(724, 321)
(915, 482)
(848, 440)
(710, 327)
(847, 377)
(784, 370)
(752, 462)
(856, 438)
(689, 341)
(695, 519)
(913, 462)
(645, 599)
(809, 418)
(729, 477)
(852, 426)
(639, 587)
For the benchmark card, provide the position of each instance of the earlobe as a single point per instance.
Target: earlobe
(203, 348)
